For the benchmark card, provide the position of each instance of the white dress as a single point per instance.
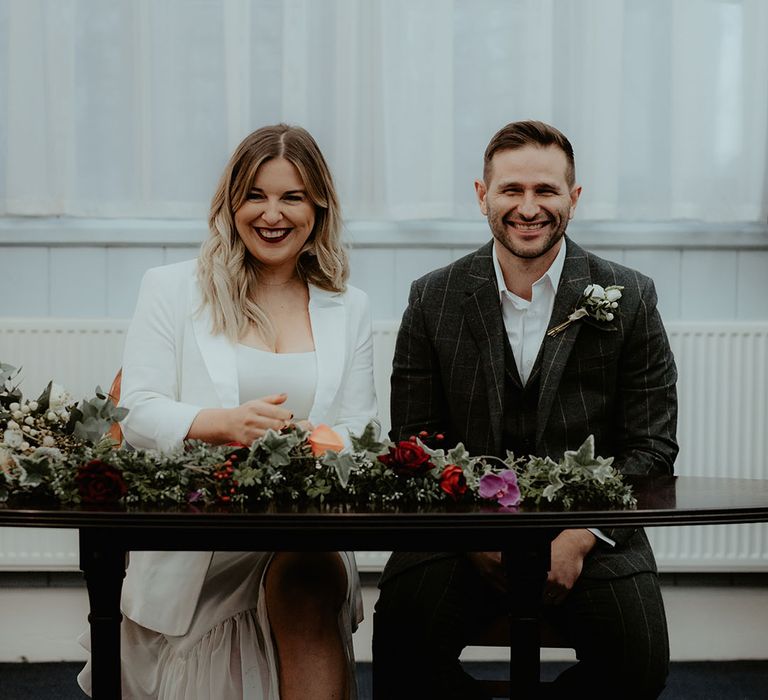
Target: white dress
(228, 654)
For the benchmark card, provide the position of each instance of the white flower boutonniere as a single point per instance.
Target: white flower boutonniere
(596, 302)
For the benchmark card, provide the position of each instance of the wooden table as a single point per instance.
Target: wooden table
(106, 534)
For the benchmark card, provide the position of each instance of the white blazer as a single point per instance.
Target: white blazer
(173, 367)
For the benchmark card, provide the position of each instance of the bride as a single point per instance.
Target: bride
(259, 332)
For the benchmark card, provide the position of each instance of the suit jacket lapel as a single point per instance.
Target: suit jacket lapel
(555, 351)
(482, 312)
(327, 316)
(218, 354)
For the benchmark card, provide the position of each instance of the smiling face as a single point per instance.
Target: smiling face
(277, 217)
(528, 201)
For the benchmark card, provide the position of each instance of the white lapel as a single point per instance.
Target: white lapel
(217, 351)
(327, 316)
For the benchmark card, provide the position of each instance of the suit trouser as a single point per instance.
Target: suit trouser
(424, 614)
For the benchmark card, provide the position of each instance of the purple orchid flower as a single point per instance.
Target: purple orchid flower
(194, 496)
(502, 487)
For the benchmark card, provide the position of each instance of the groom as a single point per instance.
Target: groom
(473, 360)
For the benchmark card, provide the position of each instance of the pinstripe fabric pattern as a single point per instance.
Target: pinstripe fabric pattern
(615, 380)
(424, 616)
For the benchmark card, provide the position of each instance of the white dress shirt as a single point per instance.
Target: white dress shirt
(526, 321)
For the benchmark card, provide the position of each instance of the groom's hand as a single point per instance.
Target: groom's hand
(567, 560)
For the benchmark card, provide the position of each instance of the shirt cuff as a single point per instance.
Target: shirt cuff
(599, 534)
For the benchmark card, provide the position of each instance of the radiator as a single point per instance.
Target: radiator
(723, 421)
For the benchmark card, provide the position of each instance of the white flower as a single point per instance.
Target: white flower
(595, 302)
(18, 415)
(14, 406)
(51, 417)
(13, 438)
(595, 291)
(49, 452)
(12, 425)
(29, 420)
(25, 408)
(58, 398)
(48, 441)
(33, 405)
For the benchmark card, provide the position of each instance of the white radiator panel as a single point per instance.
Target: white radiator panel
(723, 420)
(722, 426)
(78, 354)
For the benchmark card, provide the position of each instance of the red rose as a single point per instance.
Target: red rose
(407, 459)
(453, 482)
(98, 482)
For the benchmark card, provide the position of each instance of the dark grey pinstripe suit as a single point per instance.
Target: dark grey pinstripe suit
(613, 380)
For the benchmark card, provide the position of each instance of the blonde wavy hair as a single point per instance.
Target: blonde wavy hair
(228, 275)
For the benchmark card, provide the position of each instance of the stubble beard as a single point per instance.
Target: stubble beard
(499, 231)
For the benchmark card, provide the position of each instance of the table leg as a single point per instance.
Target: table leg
(103, 565)
(526, 563)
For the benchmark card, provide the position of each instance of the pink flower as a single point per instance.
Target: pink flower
(502, 487)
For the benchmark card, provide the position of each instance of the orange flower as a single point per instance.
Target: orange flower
(324, 438)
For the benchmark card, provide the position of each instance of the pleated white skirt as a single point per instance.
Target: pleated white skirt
(227, 654)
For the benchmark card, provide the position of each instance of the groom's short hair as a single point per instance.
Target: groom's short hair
(529, 133)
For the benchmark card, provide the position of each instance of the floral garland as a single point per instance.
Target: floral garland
(52, 448)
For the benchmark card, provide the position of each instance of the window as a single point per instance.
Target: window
(130, 109)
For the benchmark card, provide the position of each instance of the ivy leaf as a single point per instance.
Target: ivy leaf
(459, 456)
(584, 456)
(342, 463)
(7, 372)
(44, 400)
(91, 429)
(34, 473)
(368, 441)
(603, 472)
(278, 447)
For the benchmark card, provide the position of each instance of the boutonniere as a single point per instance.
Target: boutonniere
(596, 302)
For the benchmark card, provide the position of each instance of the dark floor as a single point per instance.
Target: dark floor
(731, 680)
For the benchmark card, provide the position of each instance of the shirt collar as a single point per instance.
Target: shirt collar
(553, 273)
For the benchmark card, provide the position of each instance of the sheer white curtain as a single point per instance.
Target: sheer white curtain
(129, 108)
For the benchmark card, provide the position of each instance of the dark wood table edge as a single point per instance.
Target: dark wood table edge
(107, 534)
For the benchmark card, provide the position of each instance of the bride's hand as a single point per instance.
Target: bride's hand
(242, 424)
(252, 419)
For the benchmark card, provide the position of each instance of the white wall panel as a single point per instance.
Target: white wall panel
(410, 264)
(373, 271)
(78, 282)
(752, 284)
(613, 254)
(172, 255)
(708, 284)
(663, 266)
(457, 253)
(125, 268)
(24, 281)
